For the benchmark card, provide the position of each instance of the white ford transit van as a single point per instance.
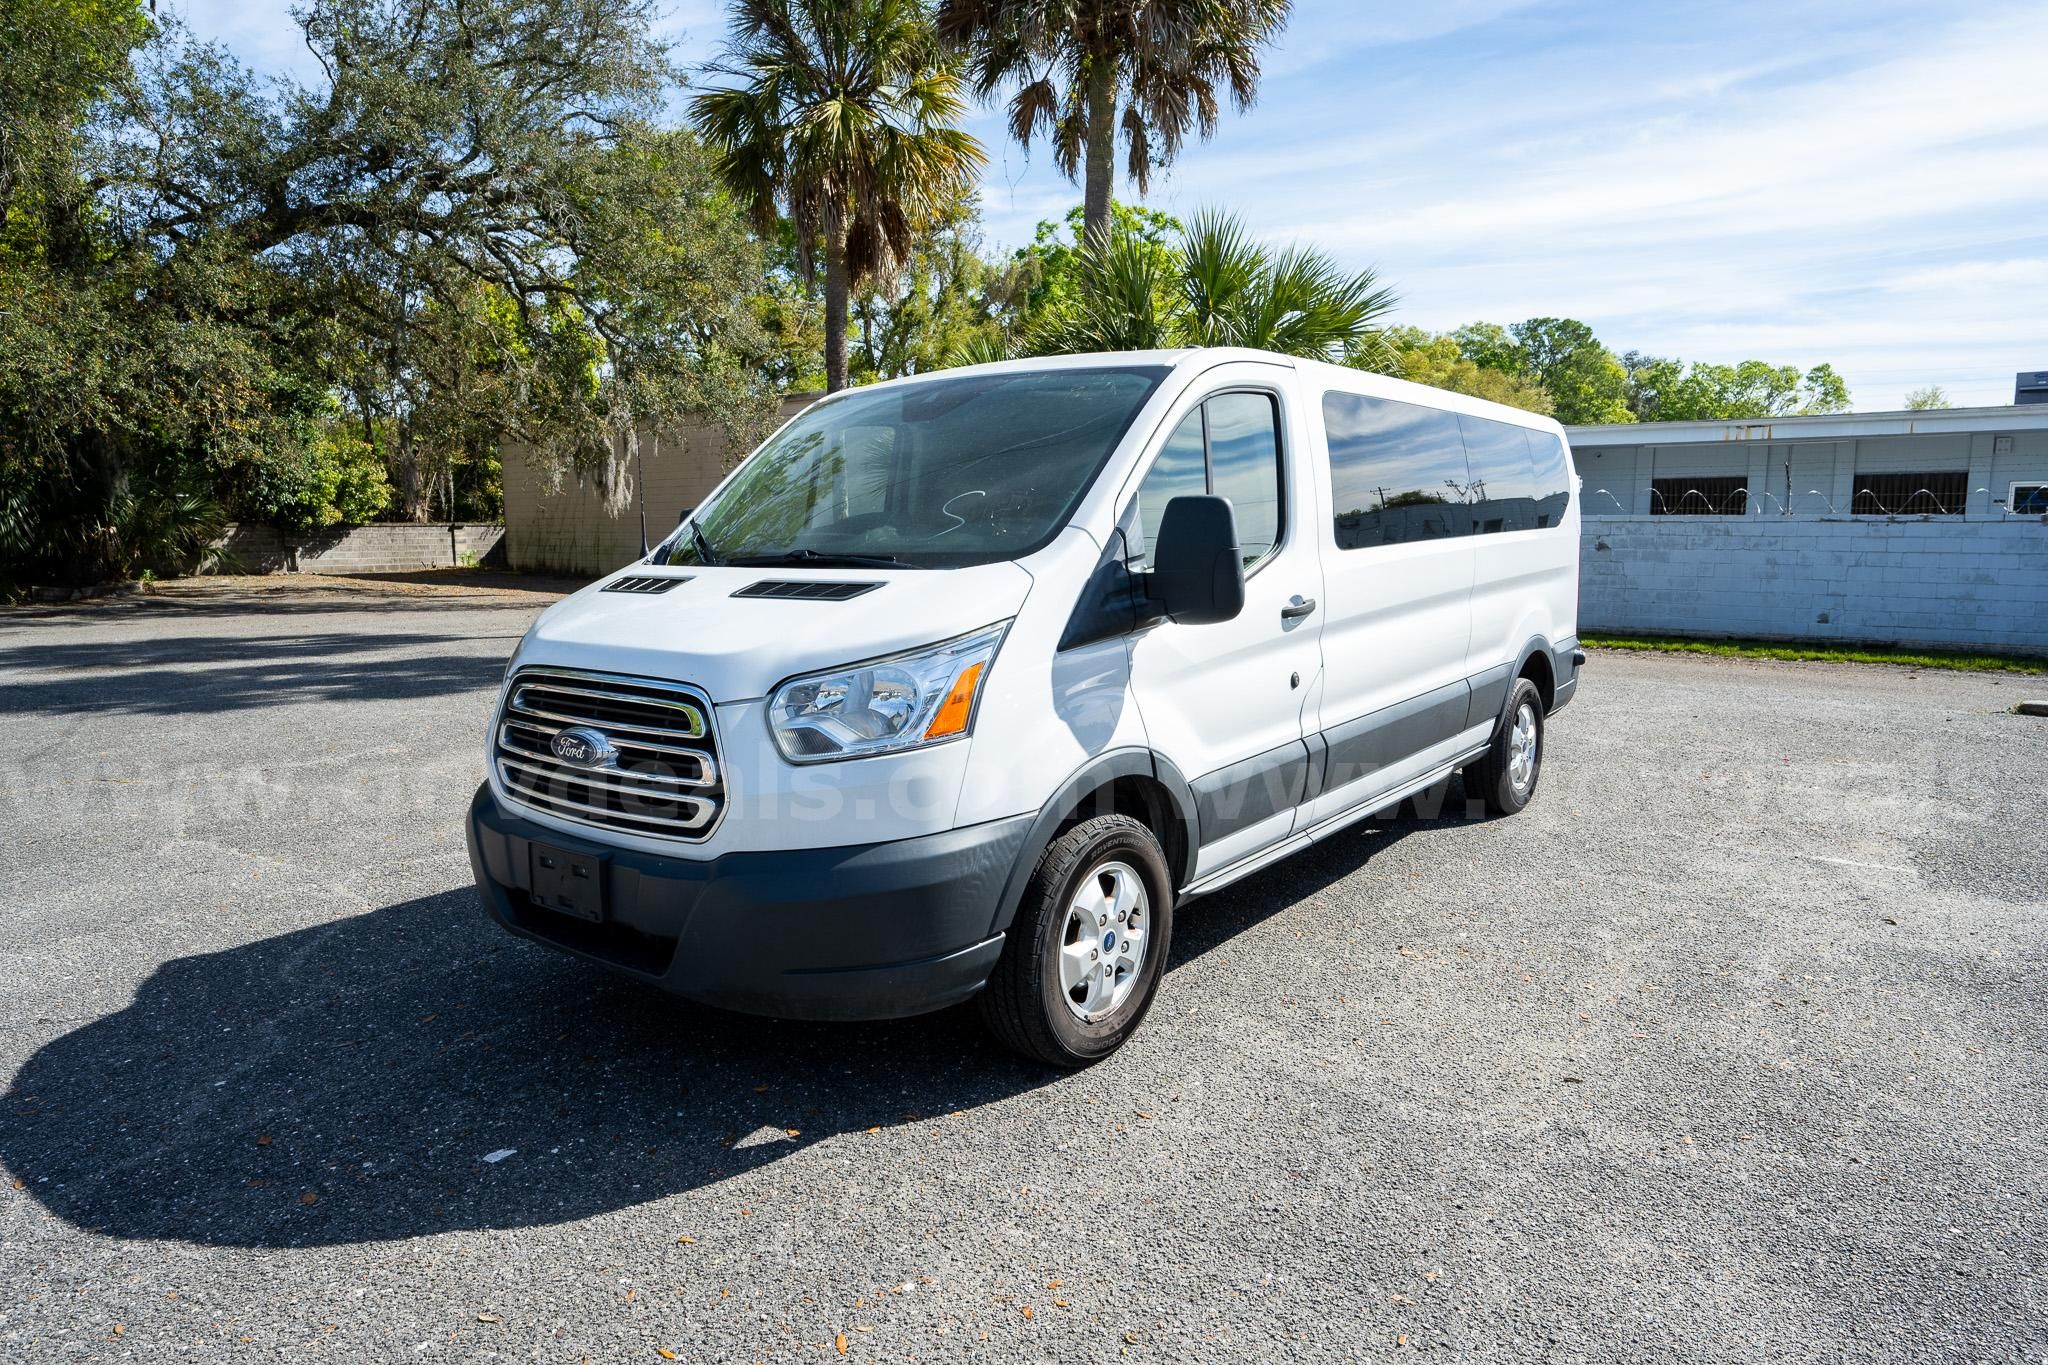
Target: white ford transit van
(963, 684)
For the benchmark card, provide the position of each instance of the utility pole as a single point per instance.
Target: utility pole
(640, 484)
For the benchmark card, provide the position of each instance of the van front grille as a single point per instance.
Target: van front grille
(629, 754)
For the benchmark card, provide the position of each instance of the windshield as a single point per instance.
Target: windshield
(931, 475)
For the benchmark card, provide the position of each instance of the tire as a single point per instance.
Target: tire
(1047, 1001)
(1498, 779)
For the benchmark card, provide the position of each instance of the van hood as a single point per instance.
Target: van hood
(738, 648)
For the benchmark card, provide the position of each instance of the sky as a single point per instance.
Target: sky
(1795, 181)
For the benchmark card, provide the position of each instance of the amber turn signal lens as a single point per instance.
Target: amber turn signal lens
(959, 704)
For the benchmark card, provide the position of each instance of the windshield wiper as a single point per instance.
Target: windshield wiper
(703, 545)
(823, 559)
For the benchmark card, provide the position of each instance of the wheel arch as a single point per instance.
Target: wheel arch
(1135, 782)
(1537, 664)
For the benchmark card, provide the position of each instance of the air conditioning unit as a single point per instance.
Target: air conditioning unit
(2030, 386)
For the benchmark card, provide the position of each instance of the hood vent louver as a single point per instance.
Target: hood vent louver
(645, 584)
(812, 591)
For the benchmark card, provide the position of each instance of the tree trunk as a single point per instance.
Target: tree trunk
(836, 292)
(1100, 182)
(412, 484)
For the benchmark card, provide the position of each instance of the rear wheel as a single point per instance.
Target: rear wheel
(1084, 956)
(1505, 779)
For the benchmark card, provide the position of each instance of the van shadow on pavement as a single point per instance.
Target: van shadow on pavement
(345, 1083)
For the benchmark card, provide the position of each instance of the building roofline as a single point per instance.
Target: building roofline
(1829, 427)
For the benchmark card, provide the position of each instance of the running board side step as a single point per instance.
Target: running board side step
(1343, 819)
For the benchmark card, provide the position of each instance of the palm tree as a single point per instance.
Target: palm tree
(1217, 286)
(844, 114)
(1075, 61)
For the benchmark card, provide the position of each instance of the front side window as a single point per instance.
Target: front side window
(1229, 446)
(936, 474)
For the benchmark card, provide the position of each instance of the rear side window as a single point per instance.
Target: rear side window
(1230, 446)
(1503, 493)
(1553, 476)
(1397, 471)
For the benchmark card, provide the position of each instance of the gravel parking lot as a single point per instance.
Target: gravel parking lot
(1731, 1047)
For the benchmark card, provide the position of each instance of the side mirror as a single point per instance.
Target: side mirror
(1197, 570)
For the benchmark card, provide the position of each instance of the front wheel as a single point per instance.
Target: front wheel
(1505, 779)
(1084, 956)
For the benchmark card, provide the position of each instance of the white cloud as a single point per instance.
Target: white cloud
(1872, 190)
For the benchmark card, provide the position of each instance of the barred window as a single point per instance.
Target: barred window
(1696, 497)
(1940, 493)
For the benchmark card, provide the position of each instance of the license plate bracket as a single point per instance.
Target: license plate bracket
(567, 883)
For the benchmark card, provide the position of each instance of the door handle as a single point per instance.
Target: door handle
(1298, 608)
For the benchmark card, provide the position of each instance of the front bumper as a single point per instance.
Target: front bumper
(870, 931)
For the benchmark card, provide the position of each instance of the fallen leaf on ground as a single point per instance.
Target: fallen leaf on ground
(1059, 1303)
(309, 1198)
(488, 1317)
(263, 1139)
(665, 1353)
(1400, 1338)
(1052, 1284)
(1026, 1311)
(793, 1132)
(684, 1241)
(839, 1343)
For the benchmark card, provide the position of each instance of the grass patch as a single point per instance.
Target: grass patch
(1871, 654)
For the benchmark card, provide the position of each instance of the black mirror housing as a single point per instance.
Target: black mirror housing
(1197, 574)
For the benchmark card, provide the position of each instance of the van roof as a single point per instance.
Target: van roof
(1203, 357)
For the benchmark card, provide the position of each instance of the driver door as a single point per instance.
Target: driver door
(1224, 702)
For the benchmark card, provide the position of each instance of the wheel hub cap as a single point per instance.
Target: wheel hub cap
(1522, 749)
(1100, 967)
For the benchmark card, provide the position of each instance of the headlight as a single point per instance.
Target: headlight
(902, 702)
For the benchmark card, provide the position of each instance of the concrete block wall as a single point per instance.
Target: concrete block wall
(1938, 582)
(382, 548)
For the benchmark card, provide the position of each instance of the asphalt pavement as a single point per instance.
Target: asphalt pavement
(1731, 1047)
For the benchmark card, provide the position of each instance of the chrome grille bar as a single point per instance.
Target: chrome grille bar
(665, 779)
(706, 776)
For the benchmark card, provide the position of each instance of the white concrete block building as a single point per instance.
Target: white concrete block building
(1916, 528)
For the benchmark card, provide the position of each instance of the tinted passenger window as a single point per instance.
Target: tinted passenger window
(1181, 469)
(1503, 493)
(1552, 477)
(1230, 446)
(1397, 471)
(1244, 466)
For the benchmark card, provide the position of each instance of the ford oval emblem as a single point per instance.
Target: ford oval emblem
(584, 747)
